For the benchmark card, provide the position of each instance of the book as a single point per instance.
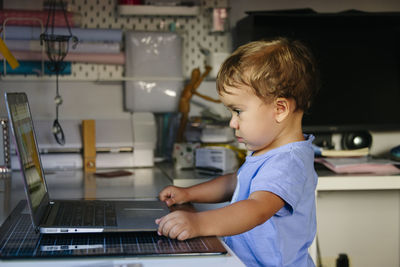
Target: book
(34, 67)
(31, 17)
(82, 47)
(345, 153)
(365, 164)
(83, 34)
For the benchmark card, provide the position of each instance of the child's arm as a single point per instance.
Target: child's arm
(216, 190)
(233, 219)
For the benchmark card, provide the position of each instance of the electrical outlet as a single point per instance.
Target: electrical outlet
(328, 262)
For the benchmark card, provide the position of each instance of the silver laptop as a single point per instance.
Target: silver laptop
(70, 216)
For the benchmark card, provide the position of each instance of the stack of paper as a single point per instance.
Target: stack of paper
(345, 153)
(364, 164)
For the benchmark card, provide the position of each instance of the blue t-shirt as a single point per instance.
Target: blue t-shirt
(283, 240)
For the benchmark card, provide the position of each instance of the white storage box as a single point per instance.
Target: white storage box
(218, 159)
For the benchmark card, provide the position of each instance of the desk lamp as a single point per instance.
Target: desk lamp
(57, 47)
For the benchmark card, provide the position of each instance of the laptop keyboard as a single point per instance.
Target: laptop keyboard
(86, 214)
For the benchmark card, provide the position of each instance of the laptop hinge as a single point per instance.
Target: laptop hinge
(50, 214)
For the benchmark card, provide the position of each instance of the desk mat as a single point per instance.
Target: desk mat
(18, 239)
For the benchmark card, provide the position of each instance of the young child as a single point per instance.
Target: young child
(271, 220)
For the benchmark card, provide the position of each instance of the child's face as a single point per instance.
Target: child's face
(253, 120)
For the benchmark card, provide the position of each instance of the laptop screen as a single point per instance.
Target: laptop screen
(20, 117)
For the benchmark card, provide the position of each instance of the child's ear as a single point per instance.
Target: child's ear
(282, 108)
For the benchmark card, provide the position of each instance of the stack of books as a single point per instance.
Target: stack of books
(356, 161)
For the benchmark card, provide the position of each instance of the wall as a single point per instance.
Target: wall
(109, 95)
(85, 99)
(82, 100)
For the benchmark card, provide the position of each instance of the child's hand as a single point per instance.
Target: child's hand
(174, 195)
(178, 224)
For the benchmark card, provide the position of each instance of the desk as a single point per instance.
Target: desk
(144, 183)
(328, 181)
(356, 214)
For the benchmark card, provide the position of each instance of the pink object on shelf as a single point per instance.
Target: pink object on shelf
(359, 165)
(100, 58)
(73, 18)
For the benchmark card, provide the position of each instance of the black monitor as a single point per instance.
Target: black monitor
(358, 55)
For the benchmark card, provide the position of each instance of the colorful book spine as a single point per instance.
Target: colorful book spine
(88, 35)
(74, 19)
(33, 67)
(82, 47)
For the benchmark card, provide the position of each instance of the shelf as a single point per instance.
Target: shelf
(360, 182)
(327, 181)
(126, 10)
(33, 78)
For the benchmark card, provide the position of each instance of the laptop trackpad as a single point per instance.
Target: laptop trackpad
(140, 215)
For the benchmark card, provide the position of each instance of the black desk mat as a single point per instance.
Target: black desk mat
(18, 239)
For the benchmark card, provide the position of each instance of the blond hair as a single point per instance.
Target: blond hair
(275, 68)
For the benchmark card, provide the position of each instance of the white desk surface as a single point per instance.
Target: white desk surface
(327, 180)
(359, 182)
(192, 261)
(144, 183)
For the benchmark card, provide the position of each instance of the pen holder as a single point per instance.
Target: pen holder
(5, 160)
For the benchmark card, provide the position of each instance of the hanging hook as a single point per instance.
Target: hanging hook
(57, 47)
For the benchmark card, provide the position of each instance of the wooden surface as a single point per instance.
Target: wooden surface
(89, 145)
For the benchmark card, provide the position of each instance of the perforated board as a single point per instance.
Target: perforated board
(194, 30)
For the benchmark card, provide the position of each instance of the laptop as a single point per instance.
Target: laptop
(70, 216)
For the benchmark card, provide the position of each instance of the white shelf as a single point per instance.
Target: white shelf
(361, 182)
(127, 10)
(333, 182)
(327, 183)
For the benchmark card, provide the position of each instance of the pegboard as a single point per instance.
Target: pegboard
(194, 30)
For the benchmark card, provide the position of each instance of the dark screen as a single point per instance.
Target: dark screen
(359, 61)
